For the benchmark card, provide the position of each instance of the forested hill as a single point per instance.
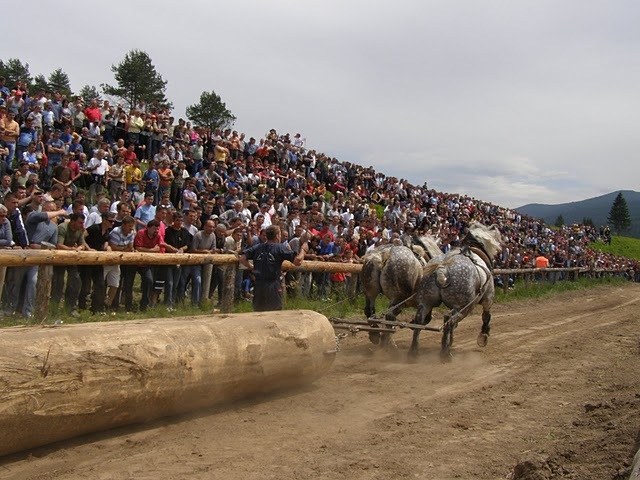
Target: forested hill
(596, 208)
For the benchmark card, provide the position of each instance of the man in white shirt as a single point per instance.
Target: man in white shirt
(97, 167)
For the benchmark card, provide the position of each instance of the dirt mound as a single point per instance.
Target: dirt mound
(554, 395)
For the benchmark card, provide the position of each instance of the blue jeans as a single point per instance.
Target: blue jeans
(31, 277)
(147, 275)
(12, 151)
(171, 284)
(193, 273)
(12, 285)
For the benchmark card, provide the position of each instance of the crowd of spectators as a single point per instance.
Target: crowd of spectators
(97, 176)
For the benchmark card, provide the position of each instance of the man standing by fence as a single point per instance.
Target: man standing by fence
(267, 263)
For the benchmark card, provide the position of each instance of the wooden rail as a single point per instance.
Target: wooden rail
(48, 258)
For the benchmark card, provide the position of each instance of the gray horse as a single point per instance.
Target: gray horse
(394, 271)
(460, 279)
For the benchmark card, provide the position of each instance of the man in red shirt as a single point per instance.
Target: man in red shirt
(92, 112)
(130, 154)
(147, 240)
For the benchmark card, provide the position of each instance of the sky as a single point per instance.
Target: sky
(511, 102)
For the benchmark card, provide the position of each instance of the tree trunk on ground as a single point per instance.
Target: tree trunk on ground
(64, 381)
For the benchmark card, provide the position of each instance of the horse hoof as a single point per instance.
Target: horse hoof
(446, 357)
(483, 339)
(374, 337)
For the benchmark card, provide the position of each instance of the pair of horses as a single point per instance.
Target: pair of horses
(421, 275)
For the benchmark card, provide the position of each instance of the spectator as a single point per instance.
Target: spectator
(71, 238)
(267, 262)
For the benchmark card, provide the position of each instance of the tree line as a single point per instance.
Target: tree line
(136, 81)
(618, 217)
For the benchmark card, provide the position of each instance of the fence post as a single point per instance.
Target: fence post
(43, 292)
(228, 288)
(206, 282)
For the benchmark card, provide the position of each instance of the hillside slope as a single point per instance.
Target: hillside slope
(596, 208)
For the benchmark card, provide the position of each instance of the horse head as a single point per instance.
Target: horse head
(427, 246)
(487, 238)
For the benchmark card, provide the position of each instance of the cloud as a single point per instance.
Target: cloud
(511, 102)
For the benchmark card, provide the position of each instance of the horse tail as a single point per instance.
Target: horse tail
(441, 271)
(442, 276)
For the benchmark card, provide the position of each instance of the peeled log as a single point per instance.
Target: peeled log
(63, 381)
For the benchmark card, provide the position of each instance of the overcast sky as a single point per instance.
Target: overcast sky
(510, 102)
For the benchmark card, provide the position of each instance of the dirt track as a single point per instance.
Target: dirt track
(558, 385)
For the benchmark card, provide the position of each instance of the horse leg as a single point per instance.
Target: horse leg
(369, 311)
(385, 338)
(369, 307)
(483, 338)
(447, 338)
(423, 317)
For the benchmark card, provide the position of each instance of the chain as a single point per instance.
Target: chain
(339, 338)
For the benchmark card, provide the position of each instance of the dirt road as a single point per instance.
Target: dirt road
(556, 392)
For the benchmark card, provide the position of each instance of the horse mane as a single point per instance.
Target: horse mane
(487, 238)
(429, 244)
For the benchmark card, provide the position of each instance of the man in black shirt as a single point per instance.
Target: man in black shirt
(178, 240)
(93, 275)
(267, 263)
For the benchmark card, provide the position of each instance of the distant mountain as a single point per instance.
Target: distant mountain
(595, 208)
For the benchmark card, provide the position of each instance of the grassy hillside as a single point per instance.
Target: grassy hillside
(622, 246)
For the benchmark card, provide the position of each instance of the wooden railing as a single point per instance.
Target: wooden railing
(50, 258)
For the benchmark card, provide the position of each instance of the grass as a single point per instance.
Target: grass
(545, 289)
(620, 246)
(338, 306)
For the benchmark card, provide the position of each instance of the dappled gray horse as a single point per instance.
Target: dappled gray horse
(394, 271)
(460, 279)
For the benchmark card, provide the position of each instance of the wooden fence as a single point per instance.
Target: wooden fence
(47, 259)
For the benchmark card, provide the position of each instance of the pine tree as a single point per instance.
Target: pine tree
(138, 80)
(211, 112)
(559, 221)
(39, 83)
(89, 93)
(59, 82)
(619, 215)
(14, 70)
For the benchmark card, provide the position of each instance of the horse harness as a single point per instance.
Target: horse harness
(479, 252)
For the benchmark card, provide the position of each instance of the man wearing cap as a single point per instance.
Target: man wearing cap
(264, 212)
(36, 200)
(267, 263)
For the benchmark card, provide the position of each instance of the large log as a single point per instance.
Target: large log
(63, 381)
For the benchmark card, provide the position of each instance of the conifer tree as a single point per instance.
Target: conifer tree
(619, 215)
